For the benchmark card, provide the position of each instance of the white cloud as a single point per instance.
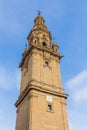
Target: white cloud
(81, 94)
(9, 78)
(70, 126)
(78, 86)
(78, 80)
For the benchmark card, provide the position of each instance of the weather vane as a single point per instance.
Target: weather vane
(39, 12)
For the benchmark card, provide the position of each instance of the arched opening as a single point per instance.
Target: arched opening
(56, 49)
(46, 63)
(44, 44)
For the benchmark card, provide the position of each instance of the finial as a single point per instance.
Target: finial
(53, 39)
(39, 12)
(25, 46)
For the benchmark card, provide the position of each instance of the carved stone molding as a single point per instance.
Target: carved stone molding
(35, 87)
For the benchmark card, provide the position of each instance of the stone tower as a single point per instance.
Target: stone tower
(42, 102)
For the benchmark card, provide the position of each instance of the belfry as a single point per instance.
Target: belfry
(41, 104)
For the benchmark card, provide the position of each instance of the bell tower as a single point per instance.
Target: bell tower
(41, 104)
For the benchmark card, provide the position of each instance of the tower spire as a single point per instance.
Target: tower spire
(39, 33)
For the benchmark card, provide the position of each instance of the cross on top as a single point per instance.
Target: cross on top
(39, 12)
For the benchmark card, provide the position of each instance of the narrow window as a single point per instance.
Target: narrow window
(44, 44)
(46, 63)
(56, 49)
(49, 107)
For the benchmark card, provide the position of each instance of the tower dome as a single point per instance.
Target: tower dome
(39, 34)
(39, 20)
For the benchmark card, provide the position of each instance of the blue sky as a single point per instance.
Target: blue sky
(67, 22)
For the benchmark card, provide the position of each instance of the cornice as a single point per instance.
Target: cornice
(48, 49)
(31, 86)
(41, 48)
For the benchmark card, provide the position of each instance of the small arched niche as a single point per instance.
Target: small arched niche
(44, 44)
(46, 63)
